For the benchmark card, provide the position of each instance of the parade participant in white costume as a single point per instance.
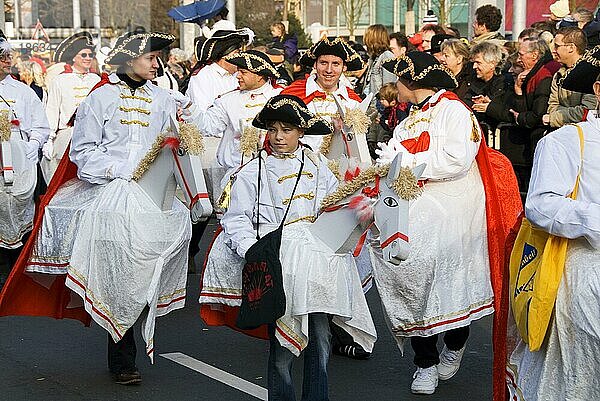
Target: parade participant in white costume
(330, 59)
(565, 366)
(211, 78)
(232, 114)
(445, 282)
(65, 93)
(23, 118)
(213, 75)
(318, 283)
(123, 255)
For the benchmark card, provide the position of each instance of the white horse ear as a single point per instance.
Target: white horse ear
(418, 171)
(364, 105)
(395, 167)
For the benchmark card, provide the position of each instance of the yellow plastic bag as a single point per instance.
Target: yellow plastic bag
(536, 265)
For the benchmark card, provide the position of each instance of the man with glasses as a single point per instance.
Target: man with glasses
(565, 106)
(23, 116)
(65, 94)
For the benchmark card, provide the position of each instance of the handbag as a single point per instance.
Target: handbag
(263, 296)
(536, 266)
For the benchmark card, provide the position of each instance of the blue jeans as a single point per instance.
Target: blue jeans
(316, 356)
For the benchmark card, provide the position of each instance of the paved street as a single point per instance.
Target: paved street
(46, 359)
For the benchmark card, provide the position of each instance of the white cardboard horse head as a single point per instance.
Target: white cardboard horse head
(174, 166)
(349, 142)
(390, 216)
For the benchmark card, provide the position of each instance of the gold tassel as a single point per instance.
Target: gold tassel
(475, 137)
(5, 126)
(249, 141)
(358, 120)
(191, 139)
(225, 198)
(326, 144)
(149, 158)
(334, 166)
(406, 185)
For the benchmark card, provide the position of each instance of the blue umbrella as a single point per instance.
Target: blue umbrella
(197, 11)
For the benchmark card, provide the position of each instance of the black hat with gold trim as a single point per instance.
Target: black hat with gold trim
(254, 61)
(336, 47)
(423, 69)
(132, 45)
(582, 75)
(292, 110)
(221, 43)
(68, 48)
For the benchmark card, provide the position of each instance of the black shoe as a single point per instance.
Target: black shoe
(353, 351)
(127, 378)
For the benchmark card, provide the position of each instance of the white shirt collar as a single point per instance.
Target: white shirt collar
(265, 88)
(312, 86)
(222, 71)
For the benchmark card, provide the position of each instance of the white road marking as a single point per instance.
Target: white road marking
(218, 374)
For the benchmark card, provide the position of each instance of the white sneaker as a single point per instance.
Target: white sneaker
(449, 362)
(425, 380)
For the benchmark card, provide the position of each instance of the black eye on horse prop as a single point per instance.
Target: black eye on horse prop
(390, 202)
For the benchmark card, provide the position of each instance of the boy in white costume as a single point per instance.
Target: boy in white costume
(318, 284)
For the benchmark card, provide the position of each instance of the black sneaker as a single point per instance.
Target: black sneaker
(128, 378)
(353, 351)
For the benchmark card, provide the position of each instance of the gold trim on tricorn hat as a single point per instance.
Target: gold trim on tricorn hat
(68, 48)
(221, 43)
(254, 61)
(292, 110)
(132, 45)
(422, 68)
(336, 47)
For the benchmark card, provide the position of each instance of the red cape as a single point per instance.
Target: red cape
(21, 295)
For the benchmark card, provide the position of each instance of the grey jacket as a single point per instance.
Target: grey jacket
(565, 106)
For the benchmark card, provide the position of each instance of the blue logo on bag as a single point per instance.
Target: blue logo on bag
(528, 256)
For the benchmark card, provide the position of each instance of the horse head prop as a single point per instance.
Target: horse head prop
(350, 140)
(375, 198)
(175, 160)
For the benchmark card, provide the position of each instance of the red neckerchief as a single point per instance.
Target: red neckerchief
(298, 88)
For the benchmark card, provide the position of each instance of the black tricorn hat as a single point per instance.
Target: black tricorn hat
(582, 75)
(68, 48)
(292, 110)
(221, 43)
(436, 42)
(255, 61)
(132, 45)
(336, 47)
(423, 69)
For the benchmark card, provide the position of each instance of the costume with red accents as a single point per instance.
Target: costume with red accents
(322, 103)
(458, 226)
(98, 234)
(66, 91)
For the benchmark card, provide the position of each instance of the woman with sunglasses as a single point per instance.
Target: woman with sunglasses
(65, 93)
